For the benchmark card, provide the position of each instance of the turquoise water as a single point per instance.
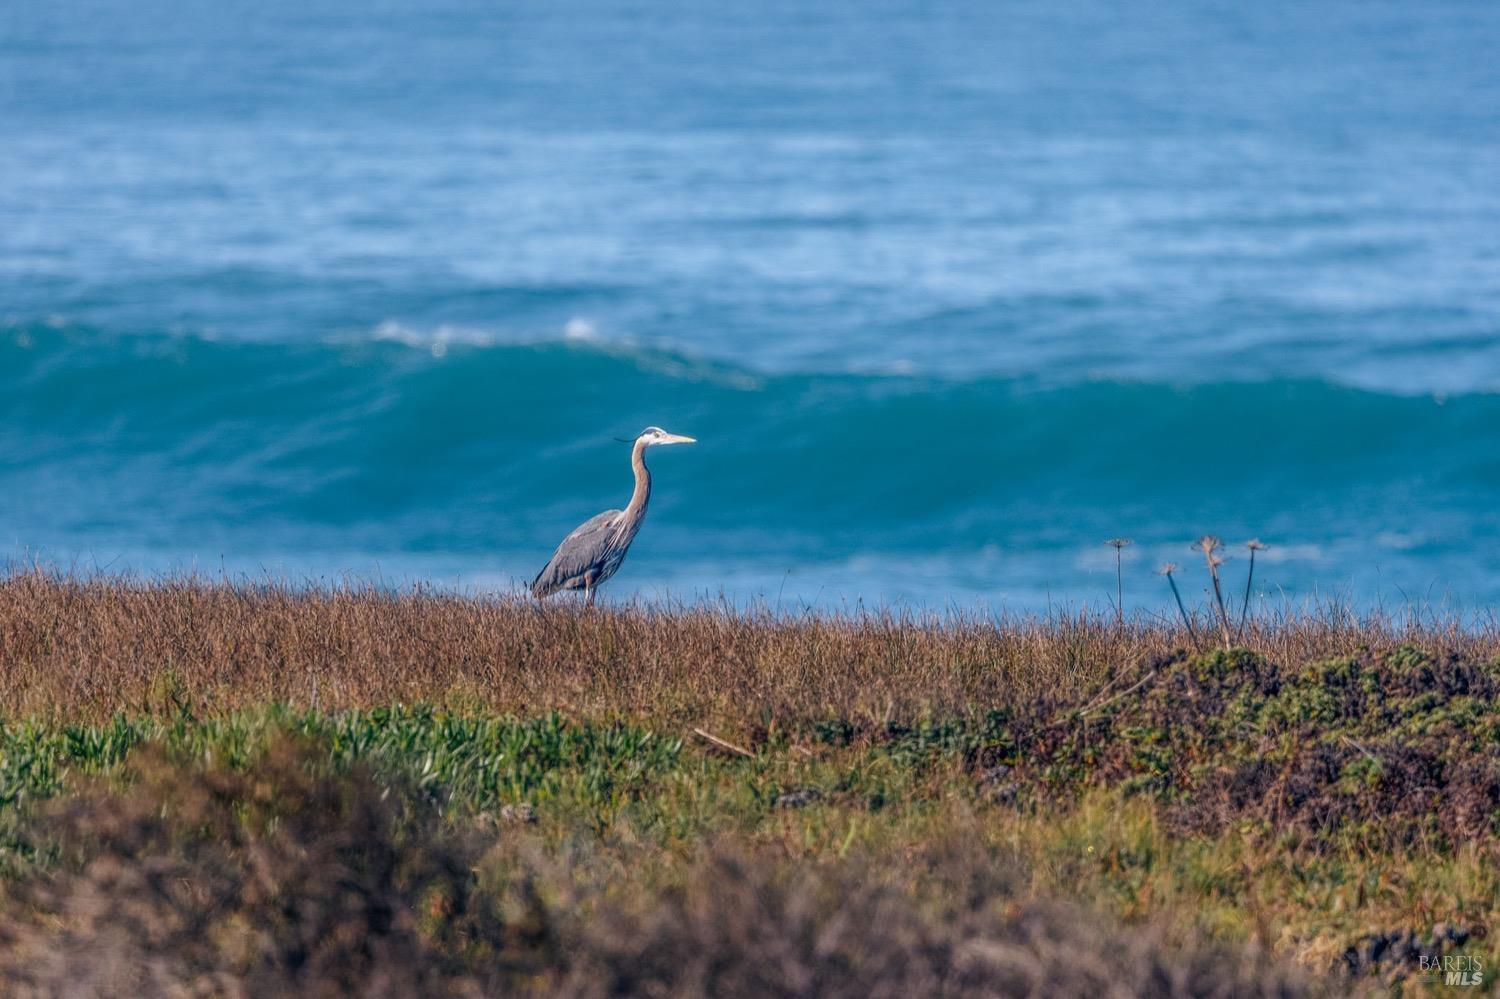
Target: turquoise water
(950, 293)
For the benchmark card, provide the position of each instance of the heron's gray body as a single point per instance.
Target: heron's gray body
(590, 555)
(595, 549)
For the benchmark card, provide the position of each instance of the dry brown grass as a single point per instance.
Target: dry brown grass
(87, 649)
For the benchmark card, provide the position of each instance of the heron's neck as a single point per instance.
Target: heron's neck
(642, 494)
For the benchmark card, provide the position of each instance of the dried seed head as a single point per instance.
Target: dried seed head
(1255, 545)
(1208, 544)
(1117, 543)
(1215, 561)
(1168, 568)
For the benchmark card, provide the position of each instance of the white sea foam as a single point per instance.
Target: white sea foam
(579, 328)
(438, 339)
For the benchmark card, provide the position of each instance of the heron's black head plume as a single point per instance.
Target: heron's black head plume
(643, 433)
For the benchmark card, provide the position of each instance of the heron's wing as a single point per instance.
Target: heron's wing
(584, 549)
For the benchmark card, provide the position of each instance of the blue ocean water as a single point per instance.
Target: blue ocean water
(950, 293)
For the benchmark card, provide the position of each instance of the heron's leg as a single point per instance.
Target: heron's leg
(588, 592)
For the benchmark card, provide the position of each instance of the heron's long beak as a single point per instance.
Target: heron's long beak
(679, 439)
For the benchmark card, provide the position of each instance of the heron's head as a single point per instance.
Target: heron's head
(656, 435)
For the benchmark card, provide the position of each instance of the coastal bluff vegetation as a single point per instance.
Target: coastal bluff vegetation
(237, 788)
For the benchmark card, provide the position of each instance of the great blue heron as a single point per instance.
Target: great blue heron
(595, 549)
